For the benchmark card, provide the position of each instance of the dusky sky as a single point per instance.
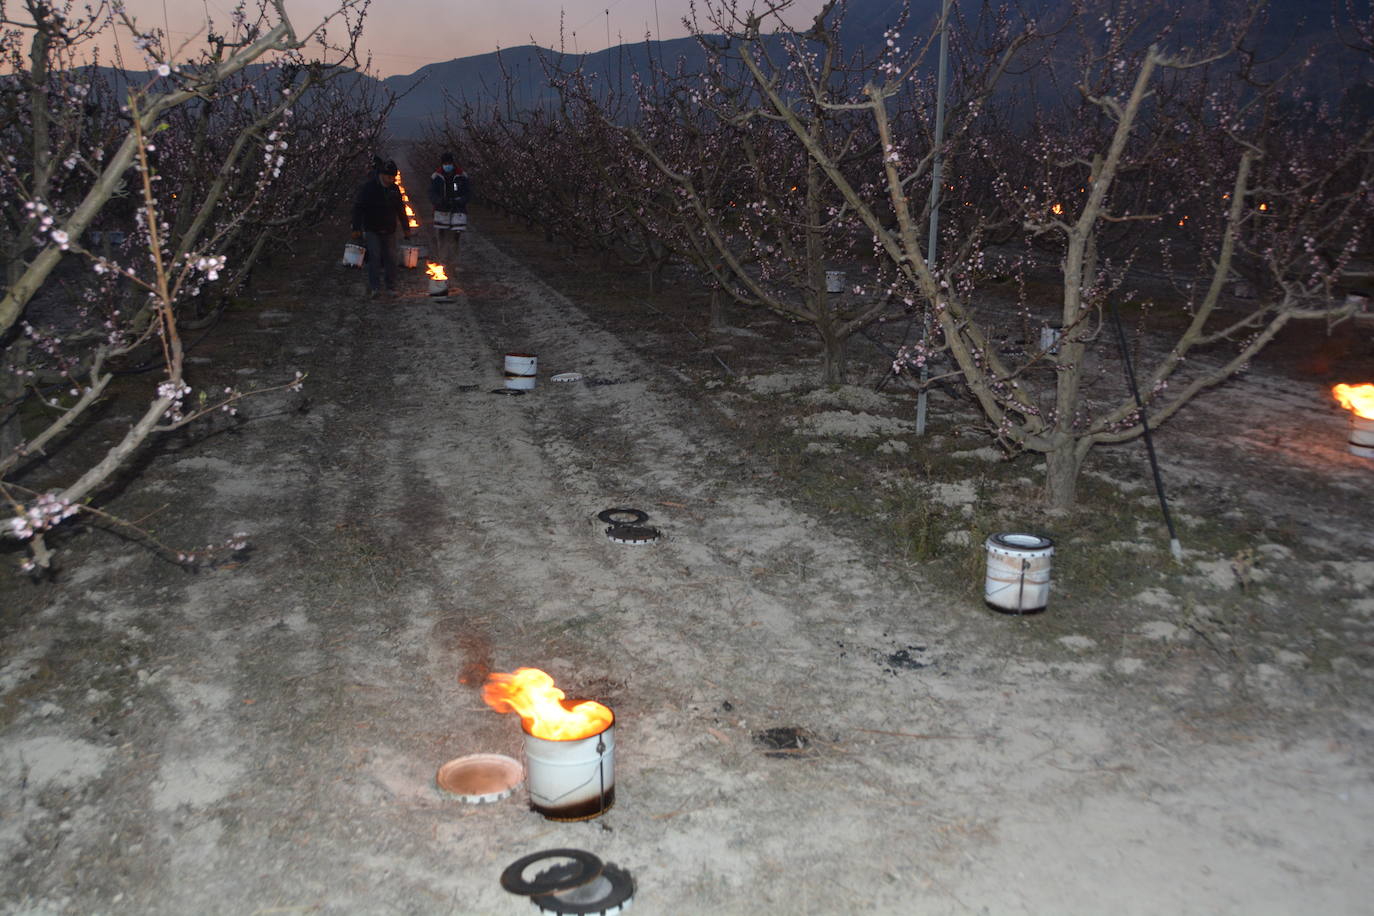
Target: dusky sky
(404, 35)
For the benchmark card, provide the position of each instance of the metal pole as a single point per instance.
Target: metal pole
(1175, 546)
(936, 180)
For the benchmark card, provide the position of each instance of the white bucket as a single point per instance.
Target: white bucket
(1018, 573)
(438, 287)
(834, 281)
(410, 255)
(1361, 436)
(520, 370)
(521, 363)
(446, 219)
(1049, 339)
(571, 780)
(353, 255)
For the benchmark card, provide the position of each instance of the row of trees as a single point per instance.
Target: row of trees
(134, 204)
(1098, 142)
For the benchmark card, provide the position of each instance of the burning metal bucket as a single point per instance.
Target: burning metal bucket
(1359, 400)
(1361, 436)
(1018, 573)
(438, 279)
(569, 744)
(572, 779)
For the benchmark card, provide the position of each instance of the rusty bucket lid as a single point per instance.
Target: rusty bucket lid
(479, 779)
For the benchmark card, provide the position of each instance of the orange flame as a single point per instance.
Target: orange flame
(530, 693)
(411, 220)
(435, 271)
(1356, 398)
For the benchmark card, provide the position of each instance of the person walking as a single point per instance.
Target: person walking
(377, 212)
(448, 193)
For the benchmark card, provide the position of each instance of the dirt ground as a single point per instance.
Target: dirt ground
(262, 737)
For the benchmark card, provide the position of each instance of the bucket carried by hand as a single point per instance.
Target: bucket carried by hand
(453, 220)
(353, 255)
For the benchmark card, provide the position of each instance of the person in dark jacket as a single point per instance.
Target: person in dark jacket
(378, 212)
(448, 193)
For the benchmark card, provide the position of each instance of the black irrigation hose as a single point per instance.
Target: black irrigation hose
(1175, 547)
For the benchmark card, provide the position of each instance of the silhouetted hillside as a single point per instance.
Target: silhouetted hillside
(519, 77)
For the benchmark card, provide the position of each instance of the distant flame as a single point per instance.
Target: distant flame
(435, 271)
(411, 220)
(1058, 209)
(530, 693)
(1356, 398)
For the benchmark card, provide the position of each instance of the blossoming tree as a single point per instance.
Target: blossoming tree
(769, 240)
(1220, 169)
(185, 173)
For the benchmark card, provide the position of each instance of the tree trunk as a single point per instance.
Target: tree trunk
(1061, 475)
(833, 355)
(716, 320)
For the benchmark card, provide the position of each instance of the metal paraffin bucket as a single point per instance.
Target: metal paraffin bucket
(1018, 572)
(571, 780)
(1049, 337)
(521, 369)
(353, 255)
(450, 220)
(1361, 436)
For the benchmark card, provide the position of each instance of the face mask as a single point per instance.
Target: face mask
(448, 169)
